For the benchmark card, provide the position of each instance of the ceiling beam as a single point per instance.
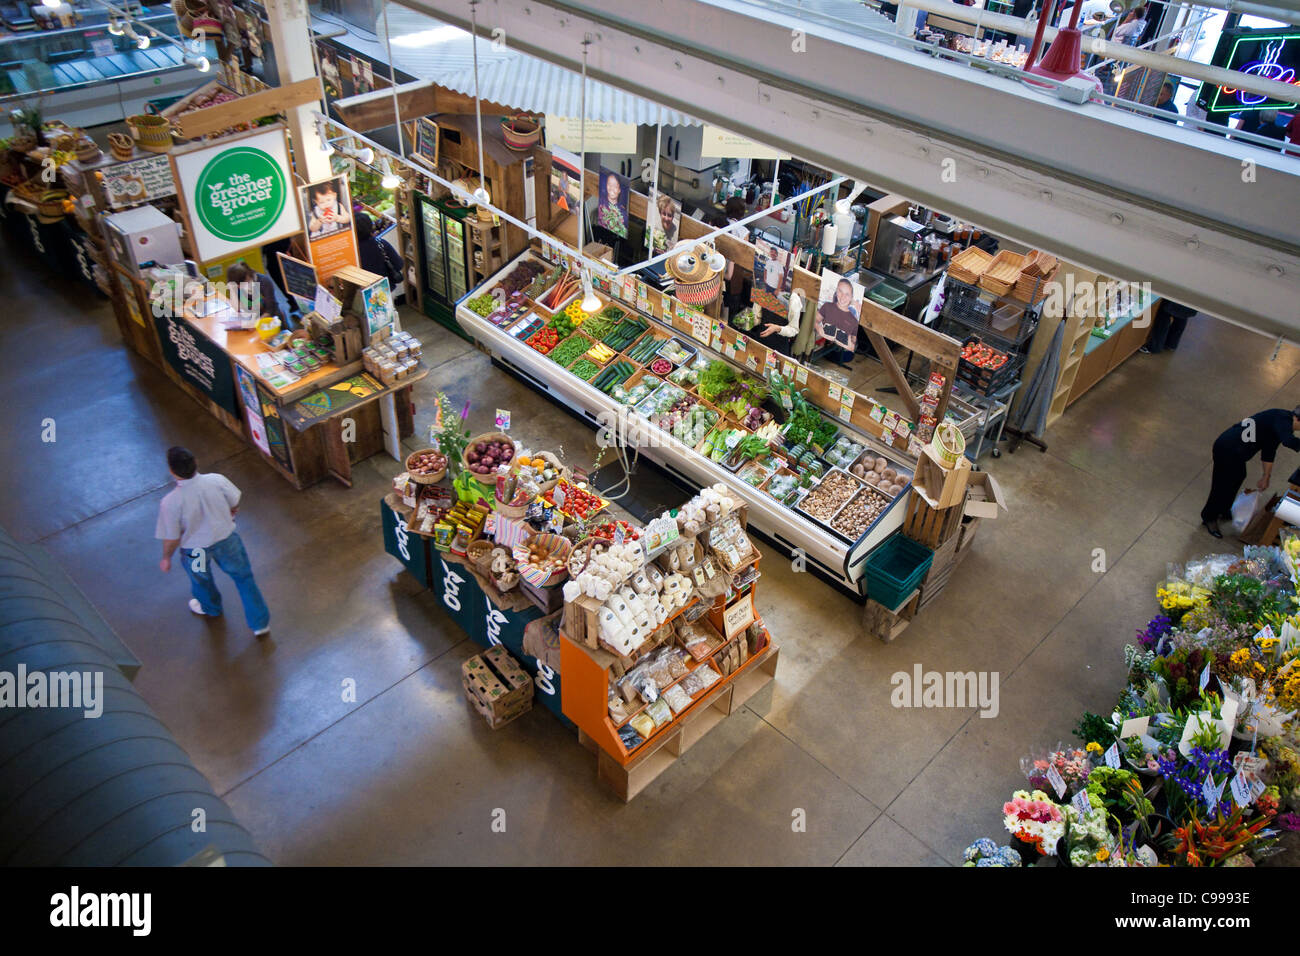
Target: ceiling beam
(370, 111)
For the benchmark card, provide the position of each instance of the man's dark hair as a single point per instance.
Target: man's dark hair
(735, 208)
(239, 272)
(365, 228)
(181, 462)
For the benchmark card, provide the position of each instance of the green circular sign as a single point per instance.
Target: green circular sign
(240, 194)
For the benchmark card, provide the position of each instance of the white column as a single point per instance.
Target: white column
(290, 29)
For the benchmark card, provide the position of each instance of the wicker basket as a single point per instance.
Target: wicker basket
(153, 133)
(541, 579)
(699, 293)
(508, 510)
(424, 479)
(49, 207)
(521, 132)
(561, 469)
(479, 553)
(121, 145)
(486, 437)
(88, 151)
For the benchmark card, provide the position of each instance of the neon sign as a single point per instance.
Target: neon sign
(1271, 57)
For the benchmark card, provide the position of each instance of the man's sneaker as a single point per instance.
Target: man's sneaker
(262, 632)
(197, 608)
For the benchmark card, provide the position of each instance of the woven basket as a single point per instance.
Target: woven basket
(49, 208)
(561, 468)
(699, 293)
(508, 510)
(121, 145)
(479, 553)
(520, 132)
(153, 133)
(541, 579)
(486, 437)
(424, 479)
(88, 151)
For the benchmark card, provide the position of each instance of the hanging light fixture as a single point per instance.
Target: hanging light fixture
(481, 196)
(582, 151)
(391, 180)
(114, 25)
(198, 61)
(589, 301)
(326, 146)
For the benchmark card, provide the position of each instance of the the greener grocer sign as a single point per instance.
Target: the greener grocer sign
(237, 193)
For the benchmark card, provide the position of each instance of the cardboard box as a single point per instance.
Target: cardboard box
(941, 486)
(983, 496)
(496, 686)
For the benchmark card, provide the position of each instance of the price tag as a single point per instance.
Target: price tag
(1205, 676)
(785, 400)
(618, 535)
(1242, 792)
(700, 326)
(847, 397)
(1080, 802)
(558, 496)
(801, 375)
(877, 413)
(833, 392)
(1112, 756)
(1056, 780)
(708, 568)
(846, 412)
(699, 576)
(888, 439)
(503, 419)
(717, 343)
(1211, 793)
(751, 362)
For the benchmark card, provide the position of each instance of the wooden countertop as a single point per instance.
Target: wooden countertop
(244, 347)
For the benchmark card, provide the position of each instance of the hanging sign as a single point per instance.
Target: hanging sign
(236, 192)
(139, 181)
(601, 137)
(724, 145)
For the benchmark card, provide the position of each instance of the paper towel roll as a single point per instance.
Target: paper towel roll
(829, 234)
(1288, 510)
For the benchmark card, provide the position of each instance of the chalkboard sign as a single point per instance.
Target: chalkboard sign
(426, 140)
(300, 278)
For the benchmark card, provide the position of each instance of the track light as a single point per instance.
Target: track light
(365, 155)
(589, 301)
(51, 4)
(114, 25)
(198, 61)
(142, 41)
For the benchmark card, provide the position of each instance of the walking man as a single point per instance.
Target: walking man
(198, 516)
(1260, 434)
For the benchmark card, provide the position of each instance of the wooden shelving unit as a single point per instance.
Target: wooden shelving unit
(487, 249)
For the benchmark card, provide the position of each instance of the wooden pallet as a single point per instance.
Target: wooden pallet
(660, 753)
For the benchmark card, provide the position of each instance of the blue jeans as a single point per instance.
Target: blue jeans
(230, 556)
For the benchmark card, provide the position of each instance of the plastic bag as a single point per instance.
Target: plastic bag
(1244, 508)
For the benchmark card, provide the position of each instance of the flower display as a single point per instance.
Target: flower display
(1226, 641)
(984, 852)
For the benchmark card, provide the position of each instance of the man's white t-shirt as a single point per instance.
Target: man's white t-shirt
(197, 511)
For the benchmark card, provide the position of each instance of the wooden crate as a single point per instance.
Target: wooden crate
(941, 485)
(886, 624)
(968, 528)
(496, 686)
(931, 526)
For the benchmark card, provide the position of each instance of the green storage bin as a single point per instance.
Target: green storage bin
(895, 569)
(889, 295)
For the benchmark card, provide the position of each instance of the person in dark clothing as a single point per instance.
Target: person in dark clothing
(1165, 99)
(1262, 123)
(377, 255)
(1168, 326)
(271, 301)
(1260, 434)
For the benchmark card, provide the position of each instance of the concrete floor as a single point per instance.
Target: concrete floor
(408, 775)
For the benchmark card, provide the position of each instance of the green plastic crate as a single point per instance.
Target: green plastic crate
(895, 569)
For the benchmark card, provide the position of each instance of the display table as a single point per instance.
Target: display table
(315, 427)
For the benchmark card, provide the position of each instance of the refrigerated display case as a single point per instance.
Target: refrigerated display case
(445, 252)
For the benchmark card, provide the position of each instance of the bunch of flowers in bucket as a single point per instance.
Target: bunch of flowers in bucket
(1196, 762)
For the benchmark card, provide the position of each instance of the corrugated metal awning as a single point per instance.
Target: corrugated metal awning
(432, 50)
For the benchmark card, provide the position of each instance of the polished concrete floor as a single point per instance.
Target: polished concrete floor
(408, 775)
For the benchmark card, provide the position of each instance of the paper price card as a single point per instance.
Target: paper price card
(1205, 676)
(848, 397)
(1212, 793)
(877, 412)
(716, 344)
(801, 375)
(558, 497)
(1056, 780)
(787, 370)
(888, 439)
(1243, 794)
(1134, 727)
(751, 362)
(1112, 756)
(1080, 801)
(700, 326)
(846, 412)
(833, 392)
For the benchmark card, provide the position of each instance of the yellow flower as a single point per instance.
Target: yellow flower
(1094, 747)
(1102, 855)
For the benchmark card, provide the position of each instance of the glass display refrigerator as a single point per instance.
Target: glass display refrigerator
(445, 250)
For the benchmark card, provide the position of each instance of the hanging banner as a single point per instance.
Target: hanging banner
(566, 132)
(236, 192)
(197, 360)
(139, 181)
(724, 145)
(327, 211)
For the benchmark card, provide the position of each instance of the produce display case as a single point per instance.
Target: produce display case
(826, 551)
